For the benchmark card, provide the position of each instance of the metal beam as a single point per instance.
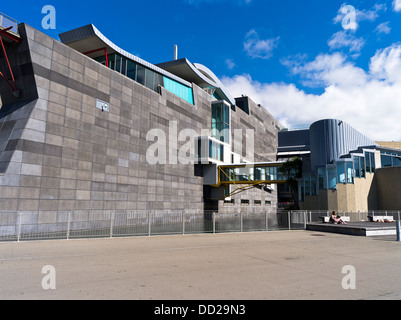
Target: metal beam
(12, 85)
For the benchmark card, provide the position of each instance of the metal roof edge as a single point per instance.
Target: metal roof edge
(90, 31)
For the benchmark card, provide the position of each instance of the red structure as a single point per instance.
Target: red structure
(10, 37)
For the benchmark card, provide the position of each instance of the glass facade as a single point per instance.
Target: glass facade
(221, 122)
(390, 159)
(341, 172)
(179, 89)
(216, 151)
(252, 174)
(349, 169)
(146, 77)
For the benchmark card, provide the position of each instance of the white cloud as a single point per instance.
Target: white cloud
(230, 64)
(344, 39)
(397, 5)
(383, 28)
(259, 48)
(370, 101)
(386, 64)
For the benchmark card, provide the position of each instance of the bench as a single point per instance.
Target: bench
(326, 219)
(381, 218)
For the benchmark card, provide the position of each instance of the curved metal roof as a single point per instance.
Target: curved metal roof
(331, 138)
(198, 74)
(88, 38)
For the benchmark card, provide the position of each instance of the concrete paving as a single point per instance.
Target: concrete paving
(237, 266)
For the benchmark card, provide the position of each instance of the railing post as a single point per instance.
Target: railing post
(289, 220)
(305, 220)
(214, 221)
(242, 221)
(19, 226)
(183, 222)
(68, 224)
(112, 216)
(149, 224)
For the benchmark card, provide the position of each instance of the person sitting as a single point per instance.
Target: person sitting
(336, 219)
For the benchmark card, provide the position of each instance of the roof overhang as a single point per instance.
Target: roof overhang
(89, 39)
(198, 74)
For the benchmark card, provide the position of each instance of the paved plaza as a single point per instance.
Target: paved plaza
(235, 266)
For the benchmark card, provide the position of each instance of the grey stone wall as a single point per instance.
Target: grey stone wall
(60, 153)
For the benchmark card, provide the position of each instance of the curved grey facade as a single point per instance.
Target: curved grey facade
(330, 139)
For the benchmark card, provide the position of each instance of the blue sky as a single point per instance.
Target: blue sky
(302, 60)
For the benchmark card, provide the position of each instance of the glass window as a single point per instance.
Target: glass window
(112, 61)
(341, 172)
(140, 74)
(357, 167)
(331, 172)
(386, 160)
(131, 69)
(363, 168)
(322, 178)
(149, 78)
(158, 81)
(179, 89)
(226, 114)
(221, 122)
(260, 174)
(124, 66)
(397, 161)
(118, 63)
(216, 151)
(350, 172)
(367, 160)
(373, 162)
(101, 60)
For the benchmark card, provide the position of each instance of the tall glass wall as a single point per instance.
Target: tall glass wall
(221, 122)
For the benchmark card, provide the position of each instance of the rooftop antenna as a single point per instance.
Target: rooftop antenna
(175, 52)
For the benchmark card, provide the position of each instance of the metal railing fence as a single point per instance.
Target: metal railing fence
(32, 225)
